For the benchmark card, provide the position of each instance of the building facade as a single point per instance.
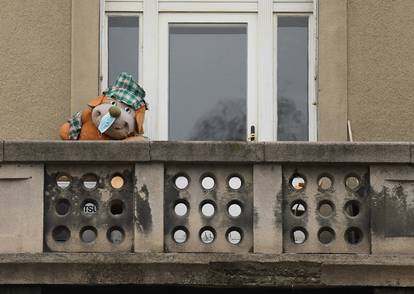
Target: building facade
(221, 212)
(355, 65)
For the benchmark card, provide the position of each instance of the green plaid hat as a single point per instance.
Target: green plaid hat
(126, 90)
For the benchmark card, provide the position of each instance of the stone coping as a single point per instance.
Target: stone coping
(171, 151)
(212, 269)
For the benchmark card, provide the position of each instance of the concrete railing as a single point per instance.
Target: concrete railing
(207, 213)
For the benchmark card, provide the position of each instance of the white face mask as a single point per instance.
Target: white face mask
(106, 122)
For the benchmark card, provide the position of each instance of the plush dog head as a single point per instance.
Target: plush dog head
(125, 121)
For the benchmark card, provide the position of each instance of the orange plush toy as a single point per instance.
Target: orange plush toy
(118, 114)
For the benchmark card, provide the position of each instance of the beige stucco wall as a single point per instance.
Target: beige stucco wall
(333, 69)
(49, 57)
(35, 59)
(381, 69)
(85, 52)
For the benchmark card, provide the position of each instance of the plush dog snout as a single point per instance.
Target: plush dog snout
(114, 111)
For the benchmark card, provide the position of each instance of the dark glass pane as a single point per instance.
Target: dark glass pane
(123, 46)
(292, 78)
(207, 81)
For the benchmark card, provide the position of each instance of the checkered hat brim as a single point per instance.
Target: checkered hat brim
(126, 90)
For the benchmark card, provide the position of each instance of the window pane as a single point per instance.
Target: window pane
(292, 78)
(123, 46)
(207, 81)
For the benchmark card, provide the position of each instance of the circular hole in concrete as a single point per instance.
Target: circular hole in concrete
(89, 207)
(298, 207)
(180, 235)
(89, 181)
(61, 234)
(117, 182)
(234, 236)
(88, 234)
(299, 235)
(207, 235)
(235, 182)
(352, 182)
(353, 235)
(326, 208)
(181, 208)
(63, 181)
(234, 208)
(208, 208)
(208, 183)
(62, 206)
(298, 182)
(116, 207)
(116, 235)
(352, 208)
(324, 183)
(181, 182)
(326, 235)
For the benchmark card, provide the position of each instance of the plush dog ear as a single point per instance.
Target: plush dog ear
(97, 101)
(139, 119)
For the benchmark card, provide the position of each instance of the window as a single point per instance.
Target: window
(207, 81)
(204, 76)
(204, 69)
(292, 78)
(122, 47)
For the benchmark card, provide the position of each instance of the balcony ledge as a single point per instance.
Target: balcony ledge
(209, 151)
(208, 269)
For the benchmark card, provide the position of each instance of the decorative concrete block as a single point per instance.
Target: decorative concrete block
(392, 199)
(21, 208)
(267, 229)
(149, 207)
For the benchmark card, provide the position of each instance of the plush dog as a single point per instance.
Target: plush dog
(118, 114)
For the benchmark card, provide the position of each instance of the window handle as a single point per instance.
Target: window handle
(252, 136)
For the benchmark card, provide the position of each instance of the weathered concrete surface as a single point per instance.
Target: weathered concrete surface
(236, 152)
(199, 269)
(333, 70)
(35, 58)
(149, 207)
(412, 153)
(312, 196)
(21, 208)
(267, 210)
(380, 52)
(1, 150)
(338, 152)
(206, 151)
(103, 195)
(391, 195)
(221, 196)
(69, 151)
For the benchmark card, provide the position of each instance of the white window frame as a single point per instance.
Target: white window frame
(156, 78)
(104, 47)
(312, 110)
(222, 18)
